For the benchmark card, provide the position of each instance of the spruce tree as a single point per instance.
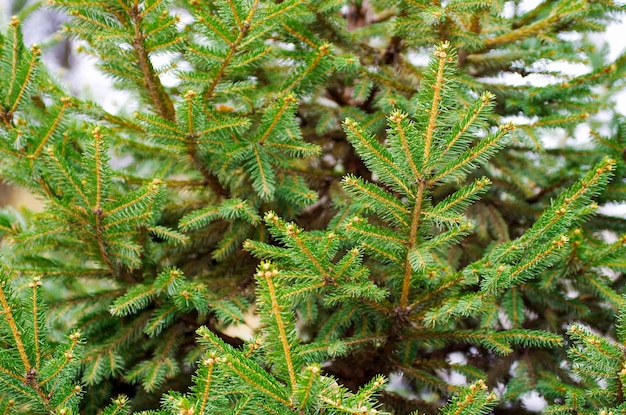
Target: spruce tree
(385, 219)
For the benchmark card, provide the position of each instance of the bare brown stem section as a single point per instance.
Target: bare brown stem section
(161, 101)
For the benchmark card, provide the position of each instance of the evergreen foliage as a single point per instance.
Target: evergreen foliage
(387, 222)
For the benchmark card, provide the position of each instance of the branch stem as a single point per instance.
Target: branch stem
(415, 222)
(276, 309)
(161, 101)
(8, 316)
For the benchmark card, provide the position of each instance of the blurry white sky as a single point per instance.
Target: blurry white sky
(616, 38)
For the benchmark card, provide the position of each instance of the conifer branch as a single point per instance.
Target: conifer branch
(287, 101)
(397, 118)
(377, 196)
(35, 51)
(297, 34)
(293, 232)
(447, 284)
(13, 99)
(135, 299)
(209, 363)
(97, 144)
(267, 273)
(474, 113)
(265, 178)
(381, 274)
(68, 358)
(615, 299)
(17, 337)
(308, 288)
(307, 390)
(483, 149)
(281, 11)
(191, 138)
(11, 374)
(65, 102)
(131, 204)
(373, 233)
(415, 222)
(122, 220)
(323, 51)
(442, 56)
(233, 9)
(68, 176)
(36, 329)
(75, 391)
(243, 30)
(16, 45)
(556, 245)
(255, 384)
(161, 101)
(387, 80)
(119, 339)
(377, 152)
(526, 31)
(563, 208)
(97, 211)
